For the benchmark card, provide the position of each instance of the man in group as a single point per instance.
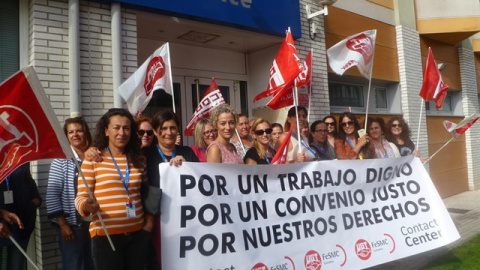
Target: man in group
(245, 141)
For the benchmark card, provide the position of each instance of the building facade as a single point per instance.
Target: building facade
(83, 50)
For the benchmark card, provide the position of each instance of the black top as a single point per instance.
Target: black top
(24, 190)
(405, 149)
(154, 158)
(253, 155)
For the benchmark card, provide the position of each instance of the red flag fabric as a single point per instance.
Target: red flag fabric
(212, 98)
(284, 97)
(356, 50)
(29, 129)
(284, 69)
(305, 76)
(464, 125)
(433, 88)
(281, 155)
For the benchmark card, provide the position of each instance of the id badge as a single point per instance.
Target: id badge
(8, 196)
(130, 210)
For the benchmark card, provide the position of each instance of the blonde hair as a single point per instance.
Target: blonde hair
(222, 108)
(260, 149)
(199, 129)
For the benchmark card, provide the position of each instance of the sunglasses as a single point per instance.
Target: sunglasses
(321, 130)
(396, 125)
(210, 132)
(344, 124)
(260, 132)
(330, 123)
(142, 132)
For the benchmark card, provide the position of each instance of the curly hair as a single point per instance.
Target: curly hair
(79, 120)
(406, 133)
(132, 149)
(222, 108)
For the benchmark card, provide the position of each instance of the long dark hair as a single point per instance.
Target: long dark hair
(79, 120)
(341, 133)
(335, 125)
(406, 133)
(292, 112)
(132, 149)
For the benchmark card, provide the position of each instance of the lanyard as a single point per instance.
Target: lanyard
(350, 142)
(8, 182)
(321, 149)
(163, 155)
(300, 140)
(126, 179)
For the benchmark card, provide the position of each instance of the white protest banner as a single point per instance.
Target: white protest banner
(349, 214)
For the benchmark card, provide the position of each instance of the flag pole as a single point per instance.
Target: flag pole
(240, 140)
(91, 196)
(22, 251)
(171, 82)
(295, 103)
(430, 158)
(370, 83)
(419, 124)
(310, 94)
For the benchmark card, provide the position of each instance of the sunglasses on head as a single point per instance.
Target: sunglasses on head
(396, 125)
(260, 132)
(330, 123)
(344, 124)
(142, 132)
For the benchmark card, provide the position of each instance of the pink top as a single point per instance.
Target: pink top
(200, 152)
(228, 157)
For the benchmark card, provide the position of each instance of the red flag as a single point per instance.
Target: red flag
(433, 88)
(464, 125)
(284, 69)
(281, 155)
(284, 97)
(29, 129)
(305, 76)
(212, 98)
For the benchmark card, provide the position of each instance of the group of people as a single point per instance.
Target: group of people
(119, 177)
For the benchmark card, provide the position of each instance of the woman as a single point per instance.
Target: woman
(204, 135)
(332, 134)
(318, 141)
(349, 143)
(277, 130)
(224, 119)
(115, 183)
(293, 154)
(398, 133)
(72, 231)
(379, 147)
(166, 127)
(261, 152)
(145, 130)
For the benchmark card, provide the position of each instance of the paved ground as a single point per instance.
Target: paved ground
(464, 209)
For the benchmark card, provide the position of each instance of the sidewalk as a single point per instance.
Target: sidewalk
(464, 209)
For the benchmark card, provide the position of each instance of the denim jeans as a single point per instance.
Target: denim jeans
(130, 251)
(77, 252)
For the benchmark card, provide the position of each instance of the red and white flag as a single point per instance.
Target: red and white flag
(460, 128)
(284, 69)
(433, 88)
(29, 129)
(281, 155)
(154, 74)
(284, 97)
(356, 50)
(212, 98)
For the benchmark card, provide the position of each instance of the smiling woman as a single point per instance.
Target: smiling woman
(261, 152)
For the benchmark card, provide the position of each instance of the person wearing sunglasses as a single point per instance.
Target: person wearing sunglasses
(331, 123)
(145, 130)
(349, 144)
(293, 154)
(261, 152)
(398, 132)
(318, 141)
(205, 134)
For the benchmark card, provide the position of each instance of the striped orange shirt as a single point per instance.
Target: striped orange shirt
(109, 191)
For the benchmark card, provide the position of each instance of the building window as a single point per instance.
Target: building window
(345, 95)
(381, 98)
(451, 105)
(9, 38)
